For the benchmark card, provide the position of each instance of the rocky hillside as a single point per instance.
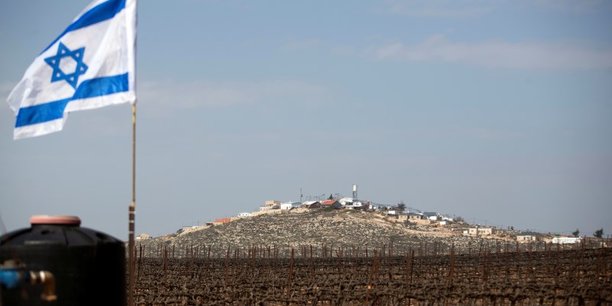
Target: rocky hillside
(346, 230)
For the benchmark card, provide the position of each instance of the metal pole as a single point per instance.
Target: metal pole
(132, 214)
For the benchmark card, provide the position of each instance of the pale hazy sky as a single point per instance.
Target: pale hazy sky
(496, 111)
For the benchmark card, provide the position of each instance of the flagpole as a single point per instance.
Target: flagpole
(132, 214)
(132, 208)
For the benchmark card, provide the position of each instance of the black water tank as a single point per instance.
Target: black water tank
(89, 266)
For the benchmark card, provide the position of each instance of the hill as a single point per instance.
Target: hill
(346, 230)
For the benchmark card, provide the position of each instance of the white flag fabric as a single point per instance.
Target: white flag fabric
(90, 65)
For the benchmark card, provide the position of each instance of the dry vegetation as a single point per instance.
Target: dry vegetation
(574, 277)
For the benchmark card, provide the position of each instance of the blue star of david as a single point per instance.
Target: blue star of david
(58, 74)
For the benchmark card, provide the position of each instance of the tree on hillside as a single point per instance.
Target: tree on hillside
(576, 233)
(401, 206)
(598, 233)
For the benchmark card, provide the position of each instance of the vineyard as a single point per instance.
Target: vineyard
(307, 277)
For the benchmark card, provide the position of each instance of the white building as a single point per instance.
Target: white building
(566, 240)
(448, 219)
(286, 205)
(269, 205)
(346, 201)
(432, 216)
(525, 238)
(478, 231)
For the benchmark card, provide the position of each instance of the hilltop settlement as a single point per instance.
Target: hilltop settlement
(347, 223)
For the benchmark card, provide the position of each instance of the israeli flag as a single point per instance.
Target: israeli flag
(90, 65)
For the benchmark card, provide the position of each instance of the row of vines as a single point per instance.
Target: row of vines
(421, 248)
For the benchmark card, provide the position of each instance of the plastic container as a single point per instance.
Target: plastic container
(88, 266)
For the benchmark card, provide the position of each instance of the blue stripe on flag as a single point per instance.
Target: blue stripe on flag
(88, 89)
(99, 13)
(41, 113)
(102, 86)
